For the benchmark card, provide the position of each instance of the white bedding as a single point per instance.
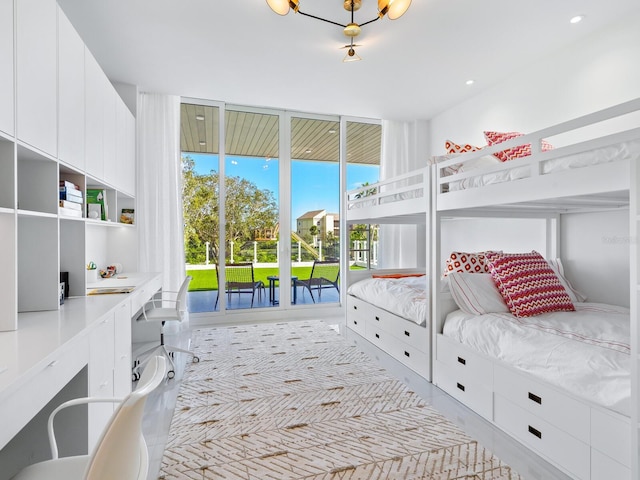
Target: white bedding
(405, 297)
(585, 352)
(627, 150)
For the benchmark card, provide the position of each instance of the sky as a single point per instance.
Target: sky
(315, 184)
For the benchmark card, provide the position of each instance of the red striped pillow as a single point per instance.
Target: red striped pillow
(515, 152)
(528, 284)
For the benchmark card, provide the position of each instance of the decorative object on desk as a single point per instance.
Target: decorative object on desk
(97, 202)
(61, 294)
(91, 266)
(109, 272)
(127, 216)
(110, 290)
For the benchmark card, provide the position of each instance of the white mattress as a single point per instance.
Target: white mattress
(405, 297)
(585, 352)
(621, 151)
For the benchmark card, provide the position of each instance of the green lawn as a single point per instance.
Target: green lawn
(206, 279)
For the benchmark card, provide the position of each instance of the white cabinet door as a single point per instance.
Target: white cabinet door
(36, 74)
(122, 351)
(94, 116)
(125, 143)
(70, 94)
(101, 347)
(6, 67)
(109, 96)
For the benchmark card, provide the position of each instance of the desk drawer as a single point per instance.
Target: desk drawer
(143, 294)
(26, 401)
(478, 397)
(544, 401)
(464, 363)
(553, 443)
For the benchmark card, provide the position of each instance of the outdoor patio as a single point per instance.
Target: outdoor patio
(204, 301)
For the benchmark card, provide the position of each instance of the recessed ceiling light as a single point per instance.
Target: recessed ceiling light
(199, 117)
(202, 142)
(469, 82)
(332, 131)
(308, 150)
(577, 19)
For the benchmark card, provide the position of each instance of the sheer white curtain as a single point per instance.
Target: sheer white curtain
(403, 150)
(159, 188)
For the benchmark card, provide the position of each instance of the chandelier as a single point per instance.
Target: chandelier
(391, 8)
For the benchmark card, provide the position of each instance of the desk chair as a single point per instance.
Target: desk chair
(158, 313)
(324, 274)
(121, 452)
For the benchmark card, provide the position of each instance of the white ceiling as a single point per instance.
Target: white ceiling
(240, 52)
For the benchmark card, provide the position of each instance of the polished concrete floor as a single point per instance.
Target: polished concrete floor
(160, 406)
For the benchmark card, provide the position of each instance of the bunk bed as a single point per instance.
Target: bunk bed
(391, 308)
(589, 433)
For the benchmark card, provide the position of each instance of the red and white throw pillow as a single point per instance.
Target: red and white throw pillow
(520, 151)
(466, 262)
(528, 284)
(452, 147)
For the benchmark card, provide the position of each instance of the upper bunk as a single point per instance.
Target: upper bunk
(590, 171)
(402, 199)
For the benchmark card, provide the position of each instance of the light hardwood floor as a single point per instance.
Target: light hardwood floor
(160, 406)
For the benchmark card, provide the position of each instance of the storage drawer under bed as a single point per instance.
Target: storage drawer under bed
(544, 401)
(477, 396)
(465, 364)
(557, 445)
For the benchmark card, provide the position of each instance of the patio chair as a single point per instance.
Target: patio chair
(324, 274)
(240, 279)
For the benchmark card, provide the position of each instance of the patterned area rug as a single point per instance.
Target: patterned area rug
(295, 401)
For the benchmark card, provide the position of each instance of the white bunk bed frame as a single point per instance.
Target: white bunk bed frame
(404, 199)
(582, 439)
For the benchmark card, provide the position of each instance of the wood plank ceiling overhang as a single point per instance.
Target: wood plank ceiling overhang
(250, 134)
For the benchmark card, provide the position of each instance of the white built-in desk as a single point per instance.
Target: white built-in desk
(49, 348)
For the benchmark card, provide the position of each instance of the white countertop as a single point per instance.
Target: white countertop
(41, 335)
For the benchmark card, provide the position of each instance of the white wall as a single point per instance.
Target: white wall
(596, 260)
(599, 72)
(479, 234)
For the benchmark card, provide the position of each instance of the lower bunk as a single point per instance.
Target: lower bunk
(565, 395)
(405, 334)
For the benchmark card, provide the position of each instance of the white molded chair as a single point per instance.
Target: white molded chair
(121, 452)
(161, 314)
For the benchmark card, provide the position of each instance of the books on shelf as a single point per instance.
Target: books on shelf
(127, 216)
(70, 204)
(69, 212)
(70, 194)
(97, 204)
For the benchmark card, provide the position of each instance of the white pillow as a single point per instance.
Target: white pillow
(476, 293)
(558, 269)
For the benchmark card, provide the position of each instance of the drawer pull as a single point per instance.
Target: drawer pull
(535, 398)
(535, 432)
(408, 334)
(378, 319)
(53, 364)
(377, 336)
(355, 322)
(407, 354)
(462, 361)
(355, 307)
(460, 386)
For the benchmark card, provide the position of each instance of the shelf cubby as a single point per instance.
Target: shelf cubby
(7, 179)
(37, 182)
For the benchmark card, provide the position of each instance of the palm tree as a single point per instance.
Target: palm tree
(313, 230)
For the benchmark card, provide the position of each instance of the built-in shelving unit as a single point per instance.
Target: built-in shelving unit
(61, 120)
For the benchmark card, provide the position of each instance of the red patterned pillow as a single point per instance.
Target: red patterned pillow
(528, 284)
(452, 147)
(520, 151)
(466, 262)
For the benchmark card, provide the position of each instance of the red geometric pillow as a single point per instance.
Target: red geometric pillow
(520, 151)
(452, 147)
(466, 262)
(528, 284)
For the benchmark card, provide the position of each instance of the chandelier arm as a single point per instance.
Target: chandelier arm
(370, 21)
(322, 19)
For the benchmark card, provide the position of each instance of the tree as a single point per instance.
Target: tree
(248, 209)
